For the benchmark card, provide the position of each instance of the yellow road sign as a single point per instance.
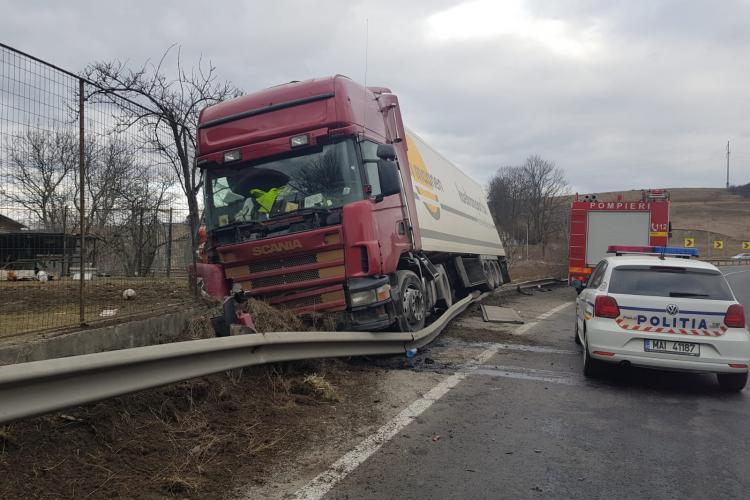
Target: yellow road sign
(746, 245)
(689, 242)
(718, 244)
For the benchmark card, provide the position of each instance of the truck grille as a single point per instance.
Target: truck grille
(271, 265)
(283, 279)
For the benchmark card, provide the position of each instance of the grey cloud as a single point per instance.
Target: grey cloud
(653, 107)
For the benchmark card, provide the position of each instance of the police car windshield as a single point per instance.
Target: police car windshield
(324, 177)
(663, 281)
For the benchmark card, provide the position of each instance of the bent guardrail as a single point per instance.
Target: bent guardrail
(38, 387)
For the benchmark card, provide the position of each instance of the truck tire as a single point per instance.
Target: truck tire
(412, 315)
(496, 272)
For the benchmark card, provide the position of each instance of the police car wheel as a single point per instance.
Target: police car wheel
(732, 382)
(575, 333)
(591, 367)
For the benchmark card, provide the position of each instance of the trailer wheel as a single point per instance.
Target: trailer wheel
(496, 273)
(413, 312)
(489, 283)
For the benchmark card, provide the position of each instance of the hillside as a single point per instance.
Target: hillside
(705, 214)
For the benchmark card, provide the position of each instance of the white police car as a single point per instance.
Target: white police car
(645, 308)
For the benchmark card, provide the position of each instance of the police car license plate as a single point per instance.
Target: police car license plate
(672, 347)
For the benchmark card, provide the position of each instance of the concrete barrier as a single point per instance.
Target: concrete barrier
(142, 332)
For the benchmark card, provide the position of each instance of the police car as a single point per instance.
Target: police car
(655, 307)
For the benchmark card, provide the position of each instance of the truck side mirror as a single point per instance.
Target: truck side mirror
(386, 152)
(390, 182)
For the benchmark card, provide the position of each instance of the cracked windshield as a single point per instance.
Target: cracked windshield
(322, 179)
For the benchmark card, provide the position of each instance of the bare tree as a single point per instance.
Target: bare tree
(40, 180)
(170, 103)
(547, 188)
(527, 202)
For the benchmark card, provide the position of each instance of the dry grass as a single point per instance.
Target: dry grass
(192, 439)
(527, 270)
(270, 319)
(317, 386)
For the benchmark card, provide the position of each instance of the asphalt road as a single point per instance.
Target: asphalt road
(526, 424)
(739, 279)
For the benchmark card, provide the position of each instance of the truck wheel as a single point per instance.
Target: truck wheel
(732, 382)
(412, 296)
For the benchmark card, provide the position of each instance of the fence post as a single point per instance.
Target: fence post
(64, 266)
(82, 201)
(169, 245)
(139, 265)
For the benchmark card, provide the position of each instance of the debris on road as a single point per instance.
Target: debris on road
(497, 314)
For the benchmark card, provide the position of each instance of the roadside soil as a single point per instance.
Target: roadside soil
(526, 270)
(189, 440)
(29, 306)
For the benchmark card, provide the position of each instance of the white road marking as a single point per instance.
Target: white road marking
(324, 482)
(528, 326)
(738, 272)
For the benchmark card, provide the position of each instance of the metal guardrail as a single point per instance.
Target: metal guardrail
(29, 389)
(727, 262)
(38, 387)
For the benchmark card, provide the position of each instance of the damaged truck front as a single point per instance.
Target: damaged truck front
(310, 206)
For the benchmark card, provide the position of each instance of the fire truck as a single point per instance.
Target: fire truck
(595, 224)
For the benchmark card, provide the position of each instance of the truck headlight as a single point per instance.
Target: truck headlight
(370, 296)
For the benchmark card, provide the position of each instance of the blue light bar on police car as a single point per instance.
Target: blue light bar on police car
(652, 250)
(690, 252)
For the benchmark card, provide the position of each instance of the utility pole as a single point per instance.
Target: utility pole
(727, 164)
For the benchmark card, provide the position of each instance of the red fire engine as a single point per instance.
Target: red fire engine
(595, 224)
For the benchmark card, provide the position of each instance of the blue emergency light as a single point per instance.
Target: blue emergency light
(685, 253)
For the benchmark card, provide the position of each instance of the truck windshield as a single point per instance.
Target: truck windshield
(323, 178)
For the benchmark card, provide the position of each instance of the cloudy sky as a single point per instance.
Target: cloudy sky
(621, 95)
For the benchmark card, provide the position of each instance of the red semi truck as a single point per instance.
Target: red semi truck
(317, 199)
(596, 224)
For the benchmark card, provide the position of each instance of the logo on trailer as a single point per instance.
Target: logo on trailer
(672, 309)
(425, 184)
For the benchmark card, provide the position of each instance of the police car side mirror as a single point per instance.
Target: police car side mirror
(577, 285)
(389, 178)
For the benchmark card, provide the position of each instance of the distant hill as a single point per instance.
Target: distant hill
(705, 214)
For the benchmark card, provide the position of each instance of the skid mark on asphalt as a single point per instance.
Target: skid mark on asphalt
(324, 482)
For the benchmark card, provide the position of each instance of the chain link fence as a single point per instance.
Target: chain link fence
(93, 225)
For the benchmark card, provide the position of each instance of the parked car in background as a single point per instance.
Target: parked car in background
(742, 256)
